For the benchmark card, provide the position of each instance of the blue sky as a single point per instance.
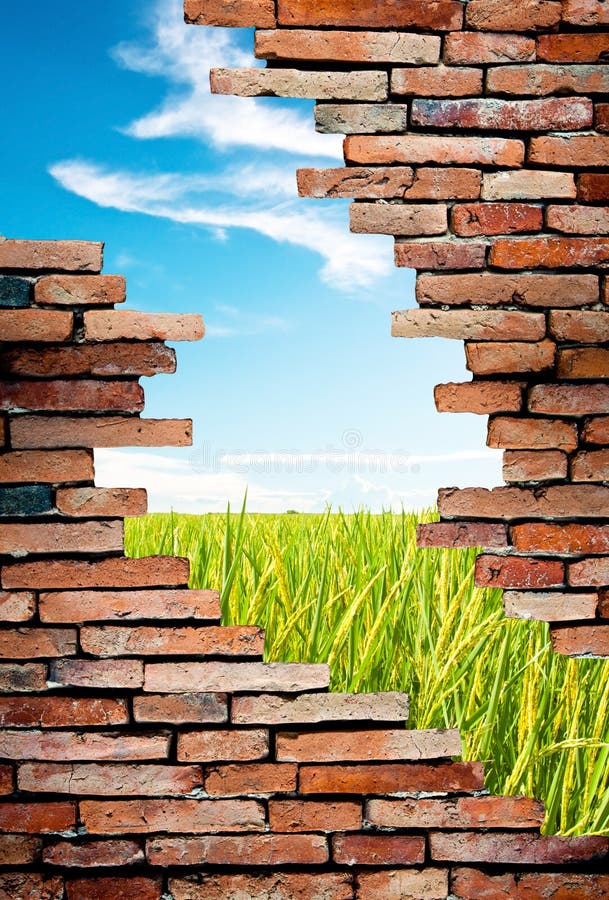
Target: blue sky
(298, 392)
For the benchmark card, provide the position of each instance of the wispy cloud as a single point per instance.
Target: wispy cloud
(228, 322)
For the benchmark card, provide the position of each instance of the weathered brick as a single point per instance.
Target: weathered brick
(578, 219)
(59, 395)
(460, 812)
(93, 673)
(391, 779)
(471, 884)
(593, 187)
(539, 80)
(323, 746)
(577, 150)
(593, 572)
(108, 640)
(596, 430)
(89, 359)
(603, 604)
(480, 397)
(398, 218)
(37, 818)
(585, 326)
(104, 325)
(36, 643)
(540, 465)
(569, 114)
(465, 48)
(92, 606)
(525, 849)
(312, 815)
(17, 606)
(436, 81)
(40, 325)
(253, 778)
(581, 640)
(55, 712)
(219, 745)
(254, 886)
(573, 48)
(421, 149)
(59, 537)
(367, 85)
(172, 815)
(553, 501)
(549, 606)
(586, 12)
(528, 184)
(80, 290)
(518, 572)
(30, 500)
(348, 46)
(275, 709)
(569, 399)
(444, 184)
(378, 849)
(41, 466)
(19, 850)
(446, 254)
(111, 888)
(251, 850)
(355, 182)
(112, 780)
(100, 431)
(81, 503)
(93, 854)
(498, 289)
(63, 256)
(403, 884)
(360, 118)
(151, 571)
(473, 219)
(591, 465)
(602, 117)
(549, 253)
(480, 325)
(181, 708)
(439, 15)
(16, 678)
(6, 780)
(220, 676)
(461, 534)
(30, 886)
(67, 745)
(14, 292)
(529, 15)
(231, 13)
(516, 433)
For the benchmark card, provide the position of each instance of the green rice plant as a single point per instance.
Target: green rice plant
(354, 591)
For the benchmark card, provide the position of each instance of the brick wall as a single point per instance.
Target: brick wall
(147, 751)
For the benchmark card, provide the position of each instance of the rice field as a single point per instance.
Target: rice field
(354, 591)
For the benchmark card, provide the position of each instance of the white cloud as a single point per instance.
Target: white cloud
(184, 55)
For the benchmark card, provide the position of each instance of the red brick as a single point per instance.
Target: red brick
(525, 849)
(462, 812)
(413, 149)
(391, 779)
(254, 778)
(579, 150)
(378, 849)
(590, 466)
(33, 643)
(149, 571)
(602, 117)
(549, 253)
(181, 816)
(436, 81)
(397, 744)
(175, 678)
(444, 184)
(111, 888)
(103, 325)
(461, 534)
(472, 47)
(581, 640)
(528, 184)
(110, 780)
(475, 219)
(518, 572)
(585, 326)
(553, 538)
(439, 15)
(567, 114)
(234, 850)
(93, 673)
(66, 256)
(59, 537)
(471, 884)
(440, 255)
(72, 395)
(398, 218)
(480, 397)
(178, 709)
(586, 12)
(16, 678)
(110, 502)
(67, 745)
(281, 82)
(593, 572)
(277, 709)
(37, 818)
(231, 13)
(89, 359)
(93, 854)
(403, 884)
(278, 886)
(561, 501)
(17, 606)
(80, 290)
(569, 399)
(499, 289)
(514, 433)
(549, 606)
(215, 746)
(30, 886)
(87, 606)
(18, 850)
(578, 219)
(494, 358)
(100, 431)
(596, 430)
(583, 362)
(593, 187)
(39, 325)
(53, 712)
(480, 325)
(603, 606)
(6, 778)
(311, 815)
(573, 48)
(38, 466)
(495, 15)
(355, 182)
(540, 465)
(151, 640)
(538, 80)
(348, 46)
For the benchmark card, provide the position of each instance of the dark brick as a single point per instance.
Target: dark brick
(14, 292)
(30, 500)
